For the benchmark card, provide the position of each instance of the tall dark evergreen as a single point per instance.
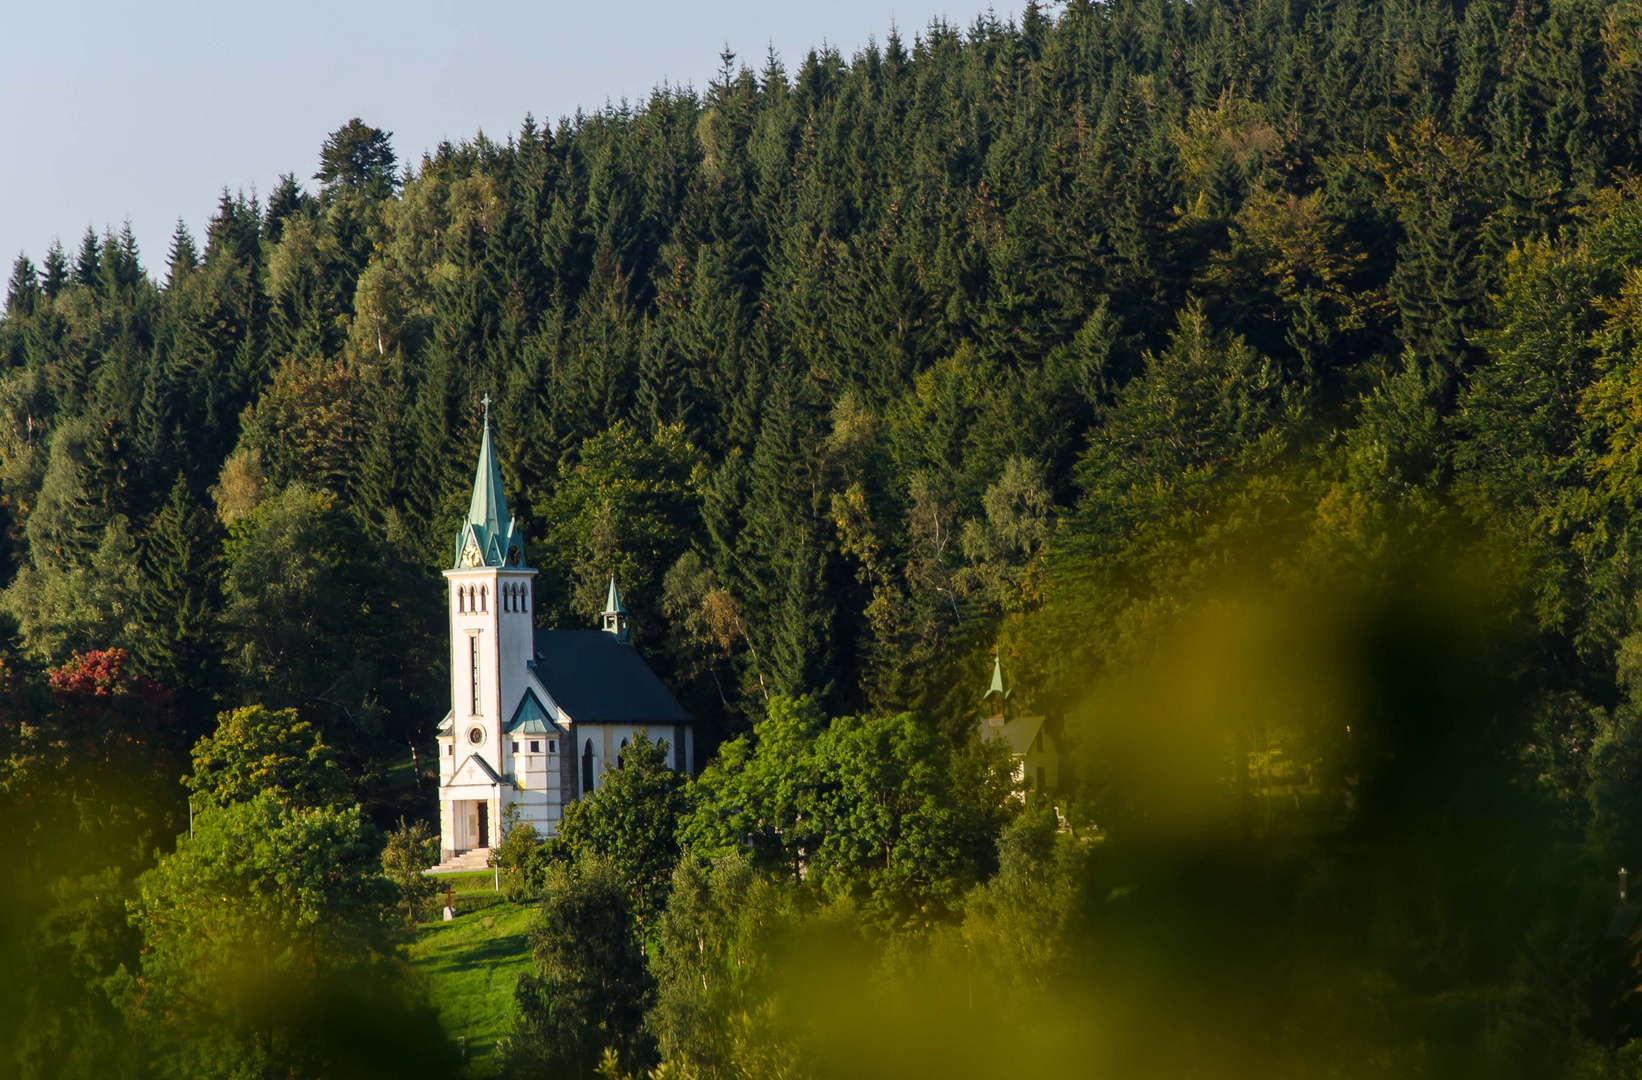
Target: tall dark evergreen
(357, 158)
(184, 256)
(22, 288)
(54, 272)
(178, 605)
(88, 265)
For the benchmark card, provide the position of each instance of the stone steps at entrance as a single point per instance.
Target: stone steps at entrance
(467, 861)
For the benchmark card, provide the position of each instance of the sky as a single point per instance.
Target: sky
(142, 112)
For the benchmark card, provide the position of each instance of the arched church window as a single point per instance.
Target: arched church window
(587, 768)
(461, 600)
(484, 598)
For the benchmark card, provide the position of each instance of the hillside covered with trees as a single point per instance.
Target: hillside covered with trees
(1261, 381)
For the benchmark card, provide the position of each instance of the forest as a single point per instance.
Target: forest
(1258, 381)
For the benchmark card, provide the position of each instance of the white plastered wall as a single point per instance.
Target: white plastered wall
(506, 645)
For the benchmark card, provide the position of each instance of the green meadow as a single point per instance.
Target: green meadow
(472, 964)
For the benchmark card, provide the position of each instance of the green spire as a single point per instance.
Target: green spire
(489, 505)
(489, 537)
(997, 686)
(615, 615)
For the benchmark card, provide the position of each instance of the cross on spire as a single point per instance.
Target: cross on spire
(485, 401)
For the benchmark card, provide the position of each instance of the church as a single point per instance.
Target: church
(536, 716)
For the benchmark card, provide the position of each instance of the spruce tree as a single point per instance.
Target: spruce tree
(22, 289)
(184, 257)
(88, 267)
(179, 647)
(286, 199)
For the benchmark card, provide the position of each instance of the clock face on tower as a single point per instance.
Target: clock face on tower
(471, 556)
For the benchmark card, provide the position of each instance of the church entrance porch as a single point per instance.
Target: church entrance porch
(471, 824)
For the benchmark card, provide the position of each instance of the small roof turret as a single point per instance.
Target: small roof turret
(998, 693)
(614, 620)
(998, 686)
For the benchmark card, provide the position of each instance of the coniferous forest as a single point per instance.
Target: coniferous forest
(1259, 382)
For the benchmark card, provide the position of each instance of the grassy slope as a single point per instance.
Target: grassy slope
(472, 964)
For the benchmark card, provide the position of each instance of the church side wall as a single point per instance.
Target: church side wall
(569, 772)
(608, 740)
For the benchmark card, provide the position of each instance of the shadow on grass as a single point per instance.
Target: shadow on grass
(469, 956)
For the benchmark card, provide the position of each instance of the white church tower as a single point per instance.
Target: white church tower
(489, 591)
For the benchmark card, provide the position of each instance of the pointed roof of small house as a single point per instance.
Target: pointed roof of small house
(1018, 732)
(997, 686)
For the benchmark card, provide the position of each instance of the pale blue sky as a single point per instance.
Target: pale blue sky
(144, 111)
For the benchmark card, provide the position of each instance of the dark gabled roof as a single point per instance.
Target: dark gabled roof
(530, 718)
(597, 679)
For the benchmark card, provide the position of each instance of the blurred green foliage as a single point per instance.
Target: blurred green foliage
(1258, 380)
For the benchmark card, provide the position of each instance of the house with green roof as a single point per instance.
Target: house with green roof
(536, 716)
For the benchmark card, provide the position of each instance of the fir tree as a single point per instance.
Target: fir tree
(55, 273)
(88, 267)
(286, 199)
(22, 288)
(184, 257)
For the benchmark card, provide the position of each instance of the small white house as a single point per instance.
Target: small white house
(1037, 758)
